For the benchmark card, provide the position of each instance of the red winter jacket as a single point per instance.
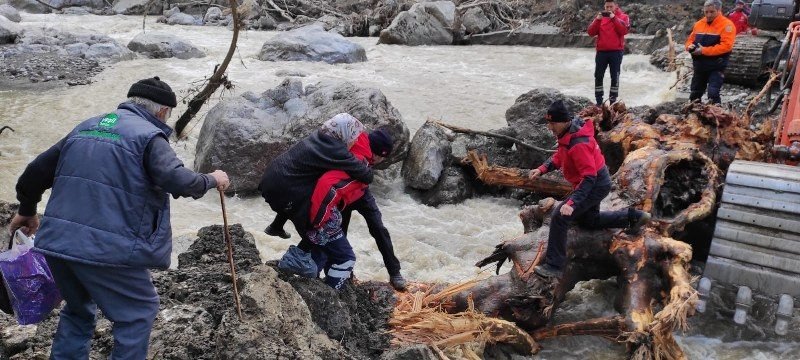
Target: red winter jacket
(578, 156)
(610, 32)
(336, 188)
(739, 19)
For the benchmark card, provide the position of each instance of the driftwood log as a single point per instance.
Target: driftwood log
(672, 168)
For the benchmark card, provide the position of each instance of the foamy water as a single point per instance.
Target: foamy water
(467, 86)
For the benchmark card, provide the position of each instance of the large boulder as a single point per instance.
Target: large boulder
(526, 117)
(475, 21)
(63, 4)
(136, 7)
(29, 6)
(10, 13)
(427, 158)
(158, 45)
(82, 44)
(312, 43)
(183, 19)
(454, 186)
(426, 23)
(9, 31)
(242, 135)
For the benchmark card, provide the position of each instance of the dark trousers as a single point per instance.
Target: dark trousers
(602, 61)
(703, 78)
(368, 208)
(336, 259)
(588, 215)
(126, 296)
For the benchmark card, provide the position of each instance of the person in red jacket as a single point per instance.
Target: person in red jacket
(583, 165)
(610, 27)
(739, 17)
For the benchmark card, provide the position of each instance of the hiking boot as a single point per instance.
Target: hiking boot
(548, 271)
(277, 232)
(398, 282)
(298, 262)
(637, 219)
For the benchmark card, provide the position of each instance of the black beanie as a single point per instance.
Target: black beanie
(558, 112)
(380, 142)
(154, 89)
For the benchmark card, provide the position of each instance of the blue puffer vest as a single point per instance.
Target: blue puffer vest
(103, 209)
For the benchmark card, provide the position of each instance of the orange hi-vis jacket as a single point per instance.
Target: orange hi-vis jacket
(717, 40)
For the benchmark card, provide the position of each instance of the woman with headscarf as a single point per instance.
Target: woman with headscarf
(289, 181)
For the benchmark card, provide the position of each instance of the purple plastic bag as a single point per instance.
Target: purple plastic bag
(30, 284)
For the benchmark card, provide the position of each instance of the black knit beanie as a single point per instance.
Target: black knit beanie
(380, 142)
(154, 89)
(558, 112)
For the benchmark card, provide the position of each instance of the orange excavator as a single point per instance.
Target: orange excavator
(756, 243)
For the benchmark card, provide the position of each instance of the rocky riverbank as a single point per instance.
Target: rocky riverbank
(284, 316)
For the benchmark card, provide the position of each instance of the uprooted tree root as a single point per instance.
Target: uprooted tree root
(671, 168)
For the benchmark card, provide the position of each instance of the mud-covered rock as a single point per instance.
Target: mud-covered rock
(312, 43)
(242, 135)
(356, 316)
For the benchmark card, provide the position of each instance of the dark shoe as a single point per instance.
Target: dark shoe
(398, 282)
(637, 219)
(277, 232)
(298, 262)
(548, 271)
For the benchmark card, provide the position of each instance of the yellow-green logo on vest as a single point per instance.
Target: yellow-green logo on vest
(109, 120)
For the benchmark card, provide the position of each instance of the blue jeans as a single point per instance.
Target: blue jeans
(602, 61)
(588, 215)
(126, 296)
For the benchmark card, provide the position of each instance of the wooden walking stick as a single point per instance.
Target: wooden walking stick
(230, 254)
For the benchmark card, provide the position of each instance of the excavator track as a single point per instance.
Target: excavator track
(757, 236)
(750, 59)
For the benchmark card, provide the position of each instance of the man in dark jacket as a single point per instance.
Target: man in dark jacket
(107, 221)
(610, 27)
(380, 142)
(583, 165)
(710, 44)
(289, 181)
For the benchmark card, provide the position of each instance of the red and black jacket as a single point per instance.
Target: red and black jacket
(336, 188)
(579, 158)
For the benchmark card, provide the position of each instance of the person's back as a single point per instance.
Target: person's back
(290, 178)
(107, 220)
(101, 160)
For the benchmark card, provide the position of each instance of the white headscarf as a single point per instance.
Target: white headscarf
(343, 127)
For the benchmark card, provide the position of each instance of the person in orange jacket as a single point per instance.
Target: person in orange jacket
(710, 44)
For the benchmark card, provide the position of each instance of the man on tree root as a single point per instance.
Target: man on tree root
(579, 158)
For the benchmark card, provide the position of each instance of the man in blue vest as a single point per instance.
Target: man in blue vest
(107, 221)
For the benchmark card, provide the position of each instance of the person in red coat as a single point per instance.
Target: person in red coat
(739, 17)
(609, 27)
(583, 165)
